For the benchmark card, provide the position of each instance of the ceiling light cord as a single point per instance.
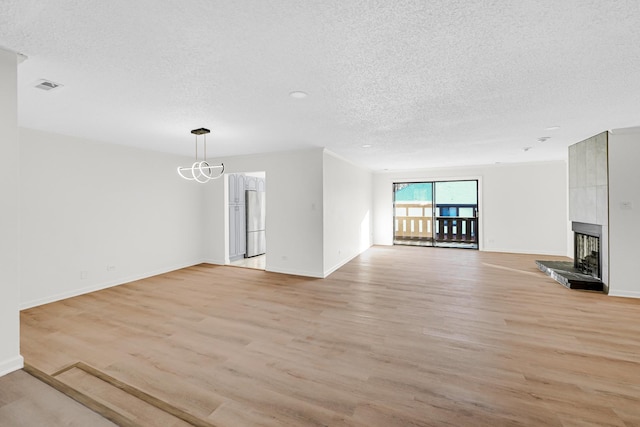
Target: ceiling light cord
(201, 171)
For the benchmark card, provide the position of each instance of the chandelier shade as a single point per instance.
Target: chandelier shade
(201, 170)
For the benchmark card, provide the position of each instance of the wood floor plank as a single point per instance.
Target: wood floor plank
(398, 336)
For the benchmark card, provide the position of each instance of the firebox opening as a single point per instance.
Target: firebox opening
(587, 259)
(587, 248)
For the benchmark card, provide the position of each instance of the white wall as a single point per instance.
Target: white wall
(522, 207)
(624, 204)
(347, 211)
(10, 359)
(116, 213)
(294, 207)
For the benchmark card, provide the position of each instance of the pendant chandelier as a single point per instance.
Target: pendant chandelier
(201, 171)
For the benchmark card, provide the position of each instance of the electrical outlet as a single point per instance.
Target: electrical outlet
(84, 274)
(111, 267)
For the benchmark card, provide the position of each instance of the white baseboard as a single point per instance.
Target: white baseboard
(103, 285)
(296, 273)
(625, 294)
(292, 272)
(524, 252)
(10, 365)
(214, 261)
(328, 272)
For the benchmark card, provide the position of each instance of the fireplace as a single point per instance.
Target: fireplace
(587, 255)
(585, 272)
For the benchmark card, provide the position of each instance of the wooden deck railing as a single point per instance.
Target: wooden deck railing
(457, 229)
(414, 221)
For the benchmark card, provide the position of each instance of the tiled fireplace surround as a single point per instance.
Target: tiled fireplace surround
(588, 191)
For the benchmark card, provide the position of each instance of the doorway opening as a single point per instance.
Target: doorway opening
(247, 220)
(436, 213)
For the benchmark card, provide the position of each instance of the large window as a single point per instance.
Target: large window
(436, 213)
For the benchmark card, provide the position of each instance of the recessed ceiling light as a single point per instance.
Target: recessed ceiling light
(553, 128)
(367, 145)
(298, 94)
(544, 138)
(527, 148)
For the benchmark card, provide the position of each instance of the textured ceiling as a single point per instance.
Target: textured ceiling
(425, 83)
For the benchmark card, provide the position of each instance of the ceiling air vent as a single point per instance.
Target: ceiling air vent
(46, 85)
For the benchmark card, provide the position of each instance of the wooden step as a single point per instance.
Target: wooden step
(115, 400)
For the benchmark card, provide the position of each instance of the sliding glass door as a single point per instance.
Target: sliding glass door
(436, 213)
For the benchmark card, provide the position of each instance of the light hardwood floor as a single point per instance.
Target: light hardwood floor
(400, 336)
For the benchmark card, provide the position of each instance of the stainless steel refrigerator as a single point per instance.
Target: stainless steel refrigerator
(256, 234)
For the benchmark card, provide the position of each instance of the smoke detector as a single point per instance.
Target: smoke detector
(46, 85)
